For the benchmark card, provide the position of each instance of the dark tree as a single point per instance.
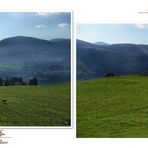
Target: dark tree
(33, 81)
(1, 82)
(20, 80)
(109, 75)
(7, 82)
(12, 81)
(16, 81)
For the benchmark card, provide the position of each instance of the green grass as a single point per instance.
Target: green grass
(35, 105)
(113, 107)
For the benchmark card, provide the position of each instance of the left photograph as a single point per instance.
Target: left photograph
(35, 69)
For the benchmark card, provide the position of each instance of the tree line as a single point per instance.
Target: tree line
(17, 81)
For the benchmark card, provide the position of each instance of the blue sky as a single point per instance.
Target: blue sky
(41, 25)
(113, 33)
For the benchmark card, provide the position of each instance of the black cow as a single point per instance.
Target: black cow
(4, 102)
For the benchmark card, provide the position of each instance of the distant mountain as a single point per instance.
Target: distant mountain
(28, 57)
(121, 59)
(101, 43)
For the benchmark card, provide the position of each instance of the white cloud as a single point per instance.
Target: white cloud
(40, 26)
(63, 25)
(46, 14)
(141, 26)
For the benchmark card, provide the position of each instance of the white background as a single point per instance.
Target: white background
(91, 11)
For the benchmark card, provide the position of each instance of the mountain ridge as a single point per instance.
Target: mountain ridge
(95, 61)
(32, 57)
(29, 37)
(101, 43)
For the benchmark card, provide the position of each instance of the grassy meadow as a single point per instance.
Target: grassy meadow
(113, 107)
(35, 105)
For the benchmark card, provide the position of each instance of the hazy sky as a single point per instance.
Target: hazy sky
(41, 25)
(113, 33)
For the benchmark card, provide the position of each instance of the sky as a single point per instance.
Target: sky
(41, 25)
(113, 33)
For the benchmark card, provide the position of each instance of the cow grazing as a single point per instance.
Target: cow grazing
(4, 102)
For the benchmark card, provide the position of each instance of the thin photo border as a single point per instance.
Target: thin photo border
(72, 63)
(91, 23)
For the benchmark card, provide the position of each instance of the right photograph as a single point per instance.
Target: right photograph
(112, 80)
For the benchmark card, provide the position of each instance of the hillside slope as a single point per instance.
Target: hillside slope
(35, 105)
(113, 107)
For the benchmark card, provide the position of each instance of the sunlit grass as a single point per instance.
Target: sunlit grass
(113, 107)
(35, 105)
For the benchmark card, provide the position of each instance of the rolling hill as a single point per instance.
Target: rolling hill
(28, 57)
(95, 60)
(113, 107)
(47, 105)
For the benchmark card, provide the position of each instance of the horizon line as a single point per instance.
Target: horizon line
(113, 43)
(32, 37)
